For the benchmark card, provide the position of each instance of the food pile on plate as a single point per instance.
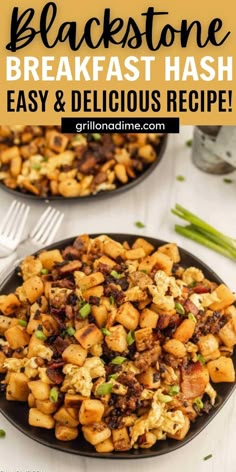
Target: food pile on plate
(42, 161)
(118, 343)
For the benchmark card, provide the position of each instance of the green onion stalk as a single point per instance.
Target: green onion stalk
(203, 233)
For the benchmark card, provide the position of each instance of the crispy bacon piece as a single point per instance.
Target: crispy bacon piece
(201, 289)
(190, 307)
(195, 378)
(55, 375)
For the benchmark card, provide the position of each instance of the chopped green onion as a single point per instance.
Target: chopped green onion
(180, 178)
(118, 360)
(144, 271)
(105, 331)
(179, 309)
(96, 136)
(130, 338)
(192, 317)
(192, 285)
(102, 361)
(174, 390)
(198, 402)
(104, 389)
(2, 433)
(70, 331)
(40, 335)
(36, 166)
(139, 224)
(207, 457)
(53, 396)
(85, 310)
(201, 359)
(44, 271)
(164, 398)
(111, 300)
(189, 143)
(22, 323)
(113, 376)
(115, 274)
(227, 181)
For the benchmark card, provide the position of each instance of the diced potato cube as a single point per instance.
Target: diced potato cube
(221, 370)
(113, 249)
(65, 433)
(90, 281)
(33, 288)
(93, 292)
(171, 250)
(143, 339)
(147, 440)
(96, 433)
(100, 314)
(88, 336)
(150, 378)
(17, 337)
(9, 304)
(64, 416)
(226, 298)
(117, 340)
(128, 316)
(73, 400)
(181, 433)
(74, 354)
(227, 334)
(5, 323)
(33, 347)
(40, 420)
(175, 347)
(104, 260)
(46, 406)
(147, 264)
(40, 389)
(2, 360)
(121, 440)
(148, 318)
(208, 345)
(105, 446)
(91, 411)
(163, 262)
(185, 331)
(17, 388)
(134, 254)
(145, 245)
(31, 401)
(49, 258)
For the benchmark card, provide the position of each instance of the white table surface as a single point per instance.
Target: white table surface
(150, 202)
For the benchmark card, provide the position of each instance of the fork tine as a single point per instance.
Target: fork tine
(41, 221)
(38, 235)
(8, 215)
(22, 223)
(15, 225)
(43, 238)
(11, 221)
(55, 229)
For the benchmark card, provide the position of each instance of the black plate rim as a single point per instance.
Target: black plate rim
(133, 454)
(161, 147)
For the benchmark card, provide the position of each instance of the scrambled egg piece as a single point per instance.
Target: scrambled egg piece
(15, 365)
(204, 300)
(164, 283)
(192, 274)
(44, 352)
(209, 390)
(79, 379)
(158, 419)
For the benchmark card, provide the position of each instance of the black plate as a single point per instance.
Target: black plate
(160, 149)
(17, 413)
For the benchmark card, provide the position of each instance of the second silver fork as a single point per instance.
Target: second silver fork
(42, 235)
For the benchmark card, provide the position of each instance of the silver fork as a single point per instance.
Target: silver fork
(12, 227)
(42, 235)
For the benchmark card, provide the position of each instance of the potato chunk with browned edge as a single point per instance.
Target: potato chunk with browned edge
(91, 411)
(221, 370)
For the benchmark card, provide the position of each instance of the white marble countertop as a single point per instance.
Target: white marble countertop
(150, 202)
